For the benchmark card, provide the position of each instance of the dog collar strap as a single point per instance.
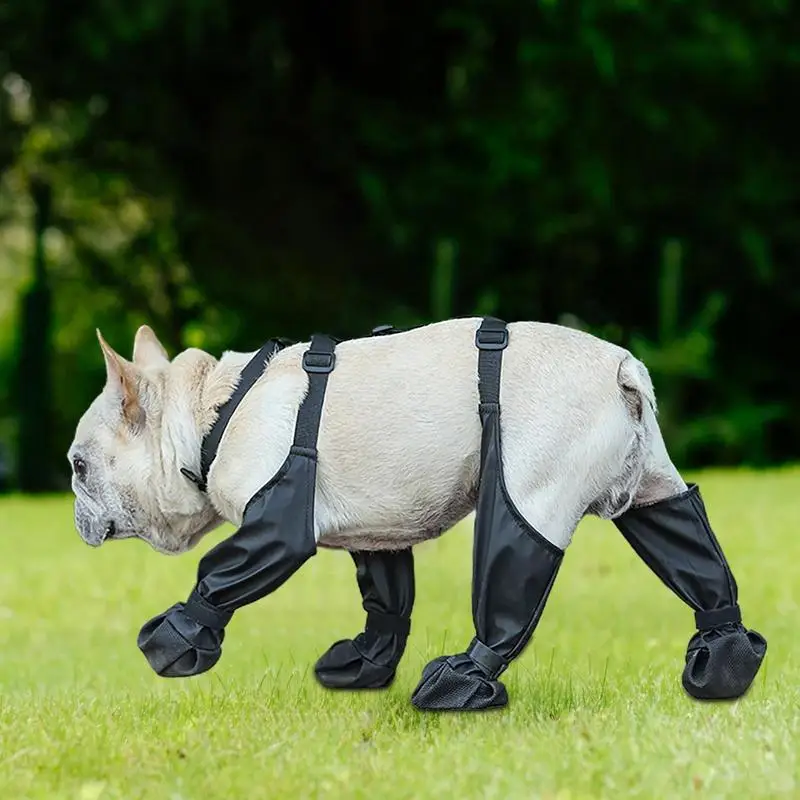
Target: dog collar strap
(247, 378)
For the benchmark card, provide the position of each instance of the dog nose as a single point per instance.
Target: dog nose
(111, 529)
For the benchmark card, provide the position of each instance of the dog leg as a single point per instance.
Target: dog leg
(386, 581)
(514, 568)
(674, 538)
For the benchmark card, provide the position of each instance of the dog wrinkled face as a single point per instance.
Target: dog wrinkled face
(125, 484)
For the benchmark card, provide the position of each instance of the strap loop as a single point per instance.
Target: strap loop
(200, 610)
(705, 620)
(388, 623)
(486, 658)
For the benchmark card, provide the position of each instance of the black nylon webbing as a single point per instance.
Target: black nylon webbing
(318, 362)
(249, 375)
(491, 339)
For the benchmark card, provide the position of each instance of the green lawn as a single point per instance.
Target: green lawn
(597, 709)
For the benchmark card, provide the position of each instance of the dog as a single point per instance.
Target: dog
(399, 440)
(408, 444)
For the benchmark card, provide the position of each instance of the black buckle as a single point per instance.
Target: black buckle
(382, 330)
(487, 339)
(318, 362)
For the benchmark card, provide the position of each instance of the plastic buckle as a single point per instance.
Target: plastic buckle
(318, 362)
(382, 330)
(487, 339)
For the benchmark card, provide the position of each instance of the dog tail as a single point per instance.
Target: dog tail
(636, 387)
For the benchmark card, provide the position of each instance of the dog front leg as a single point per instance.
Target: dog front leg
(675, 539)
(275, 539)
(386, 581)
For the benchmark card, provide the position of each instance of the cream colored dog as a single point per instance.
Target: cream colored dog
(399, 441)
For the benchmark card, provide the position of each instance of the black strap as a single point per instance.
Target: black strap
(491, 339)
(200, 610)
(705, 620)
(388, 623)
(249, 375)
(486, 658)
(318, 362)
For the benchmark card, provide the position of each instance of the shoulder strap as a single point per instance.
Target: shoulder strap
(491, 339)
(318, 362)
(248, 376)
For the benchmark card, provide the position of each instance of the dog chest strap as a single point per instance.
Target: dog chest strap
(318, 362)
(249, 375)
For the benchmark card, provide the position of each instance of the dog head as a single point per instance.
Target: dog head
(129, 447)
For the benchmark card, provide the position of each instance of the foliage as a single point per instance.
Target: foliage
(234, 172)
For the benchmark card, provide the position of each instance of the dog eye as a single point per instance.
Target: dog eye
(79, 467)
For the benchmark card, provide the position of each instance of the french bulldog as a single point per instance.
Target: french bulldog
(399, 441)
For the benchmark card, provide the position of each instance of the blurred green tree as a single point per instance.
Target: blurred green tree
(231, 172)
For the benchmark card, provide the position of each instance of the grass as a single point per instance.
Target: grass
(596, 708)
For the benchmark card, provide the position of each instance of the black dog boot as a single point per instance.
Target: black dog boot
(674, 538)
(386, 581)
(514, 568)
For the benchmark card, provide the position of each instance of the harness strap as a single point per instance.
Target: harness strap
(248, 376)
(318, 362)
(491, 339)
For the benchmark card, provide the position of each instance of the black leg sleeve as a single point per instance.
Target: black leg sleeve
(514, 571)
(674, 538)
(386, 582)
(275, 539)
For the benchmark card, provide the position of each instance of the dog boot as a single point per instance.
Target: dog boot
(514, 568)
(386, 581)
(674, 538)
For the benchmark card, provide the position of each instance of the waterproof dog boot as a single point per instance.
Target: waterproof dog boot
(514, 568)
(674, 538)
(386, 581)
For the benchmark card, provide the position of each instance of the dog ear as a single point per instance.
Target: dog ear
(147, 350)
(122, 379)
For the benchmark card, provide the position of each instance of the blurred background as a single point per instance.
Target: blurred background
(227, 172)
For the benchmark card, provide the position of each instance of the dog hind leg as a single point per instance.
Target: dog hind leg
(669, 529)
(514, 569)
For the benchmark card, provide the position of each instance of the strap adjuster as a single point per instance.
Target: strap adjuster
(491, 340)
(383, 330)
(318, 363)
